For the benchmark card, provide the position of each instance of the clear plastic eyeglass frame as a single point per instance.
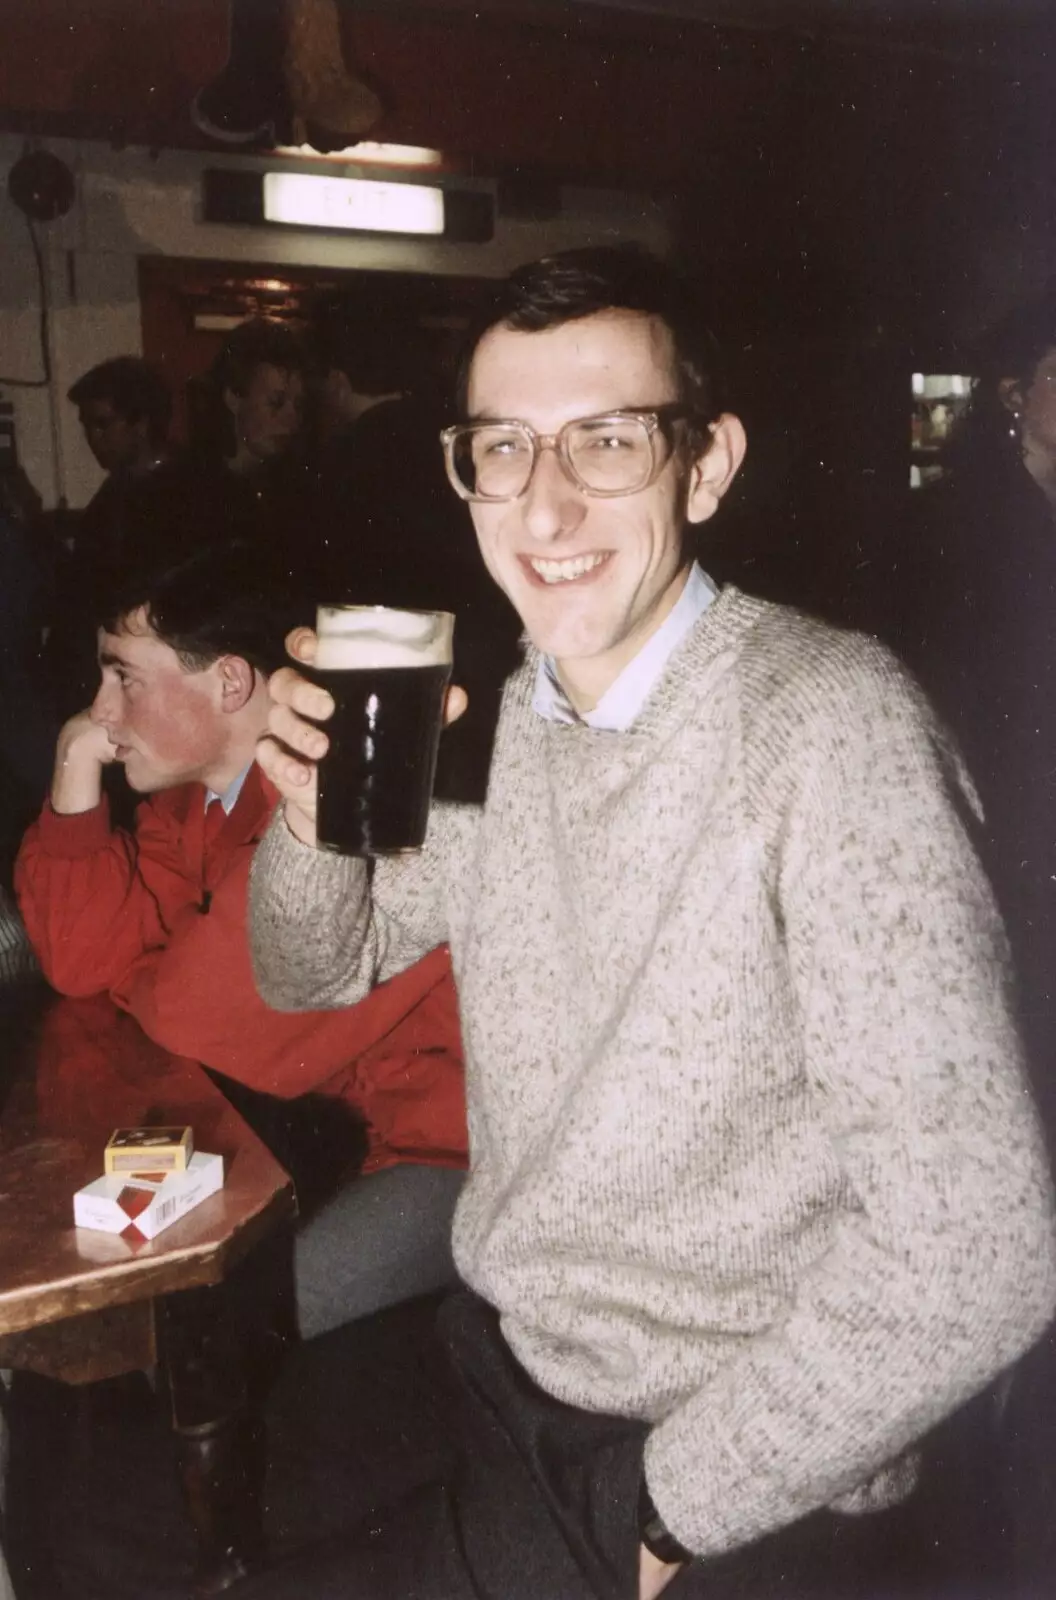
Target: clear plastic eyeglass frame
(655, 423)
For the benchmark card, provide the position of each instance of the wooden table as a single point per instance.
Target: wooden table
(78, 1305)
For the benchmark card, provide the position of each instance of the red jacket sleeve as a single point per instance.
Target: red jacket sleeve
(87, 909)
(108, 912)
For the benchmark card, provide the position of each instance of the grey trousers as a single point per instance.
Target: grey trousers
(382, 1239)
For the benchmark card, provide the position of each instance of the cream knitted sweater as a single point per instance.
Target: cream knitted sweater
(752, 1153)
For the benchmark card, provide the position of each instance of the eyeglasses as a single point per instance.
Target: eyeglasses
(617, 453)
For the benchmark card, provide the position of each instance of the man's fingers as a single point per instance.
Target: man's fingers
(283, 768)
(301, 644)
(455, 704)
(288, 688)
(300, 738)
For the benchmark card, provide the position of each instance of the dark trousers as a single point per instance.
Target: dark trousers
(525, 1498)
(413, 1459)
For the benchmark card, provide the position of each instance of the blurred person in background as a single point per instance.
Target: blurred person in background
(977, 621)
(242, 475)
(260, 380)
(391, 531)
(124, 407)
(246, 465)
(974, 613)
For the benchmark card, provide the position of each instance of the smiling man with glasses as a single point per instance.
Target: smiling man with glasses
(757, 1195)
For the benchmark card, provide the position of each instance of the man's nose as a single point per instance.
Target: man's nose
(103, 709)
(553, 505)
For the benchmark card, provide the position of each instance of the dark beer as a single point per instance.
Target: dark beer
(376, 779)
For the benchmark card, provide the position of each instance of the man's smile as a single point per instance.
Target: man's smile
(548, 570)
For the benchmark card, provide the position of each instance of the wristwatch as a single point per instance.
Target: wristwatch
(653, 1533)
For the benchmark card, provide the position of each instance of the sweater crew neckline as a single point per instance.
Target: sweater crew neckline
(721, 624)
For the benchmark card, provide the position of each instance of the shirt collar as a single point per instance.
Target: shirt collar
(627, 694)
(229, 798)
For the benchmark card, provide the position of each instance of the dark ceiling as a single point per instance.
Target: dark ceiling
(484, 78)
(881, 144)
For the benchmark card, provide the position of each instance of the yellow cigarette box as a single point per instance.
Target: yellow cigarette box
(146, 1150)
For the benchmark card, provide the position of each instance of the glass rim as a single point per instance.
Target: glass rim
(392, 611)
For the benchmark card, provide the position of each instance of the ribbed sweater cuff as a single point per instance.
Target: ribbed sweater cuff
(678, 1496)
(79, 833)
(301, 875)
(295, 893)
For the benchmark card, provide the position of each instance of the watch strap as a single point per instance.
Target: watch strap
(654, 1534)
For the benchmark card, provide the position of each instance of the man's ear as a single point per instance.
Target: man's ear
(716, 467)
(237, 682)
(1010, 394)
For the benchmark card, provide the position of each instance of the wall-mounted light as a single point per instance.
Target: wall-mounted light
(302, 200)
(371, 152)
(347, 205)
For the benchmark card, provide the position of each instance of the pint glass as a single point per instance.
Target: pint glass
(388, 672)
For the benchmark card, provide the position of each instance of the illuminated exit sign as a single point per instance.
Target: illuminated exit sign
(364, 206)
(347, 205)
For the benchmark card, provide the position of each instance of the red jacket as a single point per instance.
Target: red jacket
(157, 919)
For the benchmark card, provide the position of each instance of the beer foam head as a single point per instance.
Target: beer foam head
(357, 638)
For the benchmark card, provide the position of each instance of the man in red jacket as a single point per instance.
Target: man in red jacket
(155, 918)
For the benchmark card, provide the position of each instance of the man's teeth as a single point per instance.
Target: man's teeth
(565, 571)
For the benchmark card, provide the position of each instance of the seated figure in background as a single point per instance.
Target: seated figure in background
(155, 917)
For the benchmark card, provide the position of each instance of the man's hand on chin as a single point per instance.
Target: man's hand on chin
(82, 751)
(654, 1575)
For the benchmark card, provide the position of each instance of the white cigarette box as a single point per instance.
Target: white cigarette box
(113, 1203)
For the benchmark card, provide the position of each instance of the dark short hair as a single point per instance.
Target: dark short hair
(212, 601)
(1014, 347)
(257, 343)
(132, 387)
(580, 283)
(983, 439)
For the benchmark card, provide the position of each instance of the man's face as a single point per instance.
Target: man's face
(165, 722)
(269, 416)
(591, 578)
(1039, 408)
(115, 442)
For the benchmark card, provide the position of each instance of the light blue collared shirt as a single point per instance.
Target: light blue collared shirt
(229, 798)
(625, 697)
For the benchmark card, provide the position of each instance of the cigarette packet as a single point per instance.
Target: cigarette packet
(136, 1151)
(115, 1202)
